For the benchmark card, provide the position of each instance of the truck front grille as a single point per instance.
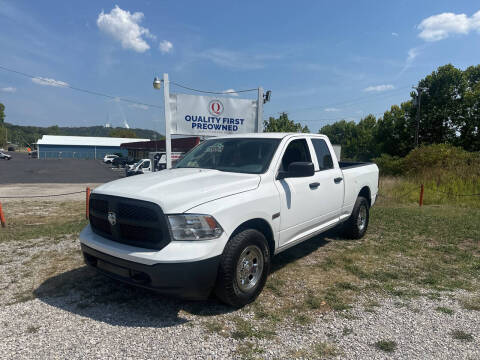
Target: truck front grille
(134, 222)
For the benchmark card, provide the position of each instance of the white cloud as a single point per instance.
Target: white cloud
(379, 88)
(332, 109)
(124, 27)
(165, 46)
(49, 82)
(236, 59)
(8, 89)
(230, 92)
(412, 54)
(441, 26)
(139, 106)
(395, 34)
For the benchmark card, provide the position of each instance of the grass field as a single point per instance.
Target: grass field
(408, 252)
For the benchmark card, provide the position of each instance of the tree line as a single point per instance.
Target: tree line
(449, 114)
(28, 135)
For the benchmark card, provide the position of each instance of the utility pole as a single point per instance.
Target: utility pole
(418, 99)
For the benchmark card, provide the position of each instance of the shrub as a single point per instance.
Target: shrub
(389, 165)
(448, 173)
(441, 161)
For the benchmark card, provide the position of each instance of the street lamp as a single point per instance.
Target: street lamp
(157, 83)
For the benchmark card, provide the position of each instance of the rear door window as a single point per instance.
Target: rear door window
(324, 156)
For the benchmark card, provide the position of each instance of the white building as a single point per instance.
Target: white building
(80, 147)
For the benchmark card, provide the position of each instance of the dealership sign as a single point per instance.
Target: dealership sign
(212, 116)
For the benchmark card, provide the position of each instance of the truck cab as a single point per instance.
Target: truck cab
(143, 166)
(214, 222)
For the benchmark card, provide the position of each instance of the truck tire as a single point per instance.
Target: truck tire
(243, 268)
(356, 225)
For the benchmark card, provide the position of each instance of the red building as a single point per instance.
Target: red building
(140, 149)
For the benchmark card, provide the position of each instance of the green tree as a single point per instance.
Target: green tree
(2, 113)
(283, 124)
(3, 129)
(122, 133)
(441, 104)
(467, 121)
(395, 133)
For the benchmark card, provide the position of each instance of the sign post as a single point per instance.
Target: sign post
(259, 124)
(201, 115)
(168, 119)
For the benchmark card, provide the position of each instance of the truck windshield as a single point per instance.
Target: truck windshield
(241, 155)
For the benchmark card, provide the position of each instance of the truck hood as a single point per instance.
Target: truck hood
(178, 190)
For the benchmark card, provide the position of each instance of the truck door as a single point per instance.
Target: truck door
(297, 210)
(328, 197)
(146, 167)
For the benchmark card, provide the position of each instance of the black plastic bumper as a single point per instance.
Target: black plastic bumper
(188, 280)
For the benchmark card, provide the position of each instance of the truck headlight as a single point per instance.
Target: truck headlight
(194, 227)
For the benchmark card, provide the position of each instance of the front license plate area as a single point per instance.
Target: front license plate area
(114, 269)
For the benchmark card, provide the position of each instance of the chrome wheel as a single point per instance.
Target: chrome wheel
(362, 218)
(249, 267)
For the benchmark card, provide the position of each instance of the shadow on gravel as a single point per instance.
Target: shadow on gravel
(84, 292)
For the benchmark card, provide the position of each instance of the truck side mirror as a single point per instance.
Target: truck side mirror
(297, 169)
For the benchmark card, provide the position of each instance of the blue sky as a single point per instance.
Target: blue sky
(323, 60)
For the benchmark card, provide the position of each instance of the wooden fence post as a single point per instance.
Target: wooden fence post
(421, 195)
(87, 203)
(2, 217)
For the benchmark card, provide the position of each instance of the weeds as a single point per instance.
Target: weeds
(32, 329)
(472, 303)
(325, 350)
(244, 329)
(249, 350)
(386, 345)
(445, 310)
(461, 335)
(215, 327)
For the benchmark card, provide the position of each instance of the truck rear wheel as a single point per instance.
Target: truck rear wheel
(356, 225)
(243, 269)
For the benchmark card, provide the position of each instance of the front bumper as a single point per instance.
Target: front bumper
(190, 280)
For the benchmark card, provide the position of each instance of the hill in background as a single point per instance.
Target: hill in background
(23, 135)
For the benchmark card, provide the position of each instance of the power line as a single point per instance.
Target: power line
(348, 102)
(212, 92)
(91, 92)
(338, 118)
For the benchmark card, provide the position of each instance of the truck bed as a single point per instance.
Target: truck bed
(350, 164)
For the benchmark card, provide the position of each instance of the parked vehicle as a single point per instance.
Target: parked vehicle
(141, 167)
(5, 156)
(109, 158)
(159, 159)
(122, 161)
(215, 221)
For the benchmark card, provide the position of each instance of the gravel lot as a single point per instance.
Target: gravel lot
(78, 314)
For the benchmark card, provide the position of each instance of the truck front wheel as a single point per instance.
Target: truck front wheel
(356, 225)
(243, 269)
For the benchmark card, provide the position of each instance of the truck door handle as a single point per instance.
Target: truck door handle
(338, 180)
(314, 185)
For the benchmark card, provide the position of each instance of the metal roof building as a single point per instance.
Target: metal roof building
(80, 147)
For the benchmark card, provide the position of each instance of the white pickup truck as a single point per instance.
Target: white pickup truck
(215, 220)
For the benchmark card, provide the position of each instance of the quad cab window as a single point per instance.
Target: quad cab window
(324, 157)
(296, 151)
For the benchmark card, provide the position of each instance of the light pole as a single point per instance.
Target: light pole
(157, 84)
